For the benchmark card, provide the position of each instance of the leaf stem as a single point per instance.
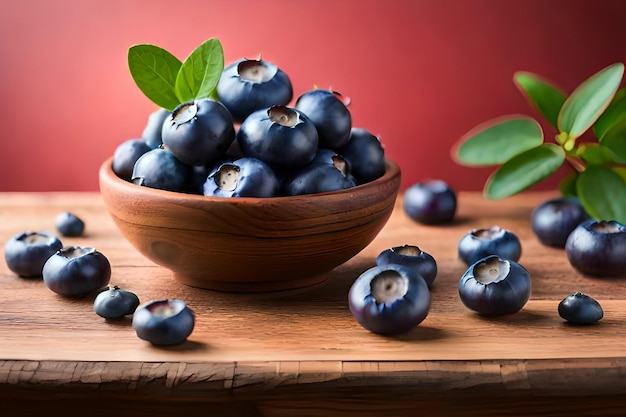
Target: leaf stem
(576, 163)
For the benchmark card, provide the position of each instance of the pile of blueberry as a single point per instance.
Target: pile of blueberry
(277, 150)
(74, 271)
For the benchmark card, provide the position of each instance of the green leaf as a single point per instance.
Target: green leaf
(621, 171)
(545, 96)
(524, 170)
(154, 70)
(614, 113)
(595, 153)
(583, 107)
(614, 138)
(201, 71)
(498, 140)
(602, 192)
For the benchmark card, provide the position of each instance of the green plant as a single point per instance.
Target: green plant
(168, 82)
(515, 143)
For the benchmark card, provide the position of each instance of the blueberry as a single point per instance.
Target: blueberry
(390, 299)
(366, 154)
(413, 257)
(495, 286)
(598, 247)
(579, 308)
(164, 322)
(115, 303)
(159, 168)
(553, 220)
(74, 271)
(27, 252)
(319, 177)
(248, 85)
(125, 156)
(279, 136)
(151, 134)
(329, 114)
(430, 202)
(68, 224)
(245, 177)
(479, 243)
(199, 132)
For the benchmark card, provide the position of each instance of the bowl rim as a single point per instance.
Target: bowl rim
(107, 176)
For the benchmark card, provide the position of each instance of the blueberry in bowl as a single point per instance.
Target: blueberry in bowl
(249, 244)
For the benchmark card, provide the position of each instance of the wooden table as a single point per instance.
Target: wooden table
(301, 353)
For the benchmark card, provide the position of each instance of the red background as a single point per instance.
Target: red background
(420, 73)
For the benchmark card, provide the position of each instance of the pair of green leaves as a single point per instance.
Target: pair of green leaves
(168, 82)
(515, 143)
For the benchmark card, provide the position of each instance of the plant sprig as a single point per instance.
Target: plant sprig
(167, 81)
(515, 144)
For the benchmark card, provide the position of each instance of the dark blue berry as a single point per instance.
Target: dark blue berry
(27, 252)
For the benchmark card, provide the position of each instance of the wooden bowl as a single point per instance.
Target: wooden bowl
(249, 244)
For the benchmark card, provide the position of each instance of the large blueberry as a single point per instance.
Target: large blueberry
(495, 286)
(279, 136)
(159, 168)
(430, 202)
(413, 257)
(322, 175)
(248, 85)
(76, 271)
(164, 322)
(389, 299)
(154, 126)
(598, 247)
(366, 154)
(245, 177)
(329, 114)
(125, 156)
(27, 252)
(479, 243)
(553, 220)
(199, 132)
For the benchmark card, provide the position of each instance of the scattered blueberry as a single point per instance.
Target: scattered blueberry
(125, 156)
(199, 132)
(248, 85)
(279, 136)
(390, 299)
(114, 303)
(328, 112)
(68, 224)
(495, 286)
(245, 177)
(430, 202)
(27, 252)
(579, 308)
(366, 154)
(479, 243)
(413, 257)
(164, 322)
(598, 247)
(74, 271)
(553, 220)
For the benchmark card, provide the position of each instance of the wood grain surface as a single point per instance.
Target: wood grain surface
(300, 352)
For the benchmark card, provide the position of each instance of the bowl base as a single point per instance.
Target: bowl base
(200, 281)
